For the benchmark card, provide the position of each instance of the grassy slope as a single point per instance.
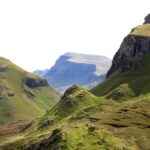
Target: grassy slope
(142, 30)
(74, 102)
(95, 123)
(19, 106)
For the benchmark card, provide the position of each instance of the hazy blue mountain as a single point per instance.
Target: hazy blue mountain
(81, 69)
(41, 72)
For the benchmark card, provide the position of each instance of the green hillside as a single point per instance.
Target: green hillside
(142, 30)
(19, 101)
(125, 85)
(89, 123)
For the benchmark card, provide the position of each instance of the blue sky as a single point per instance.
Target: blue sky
(34, 33)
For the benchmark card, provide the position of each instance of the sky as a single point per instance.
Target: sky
(34, 33)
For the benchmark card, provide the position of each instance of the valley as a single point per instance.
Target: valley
(114, 115)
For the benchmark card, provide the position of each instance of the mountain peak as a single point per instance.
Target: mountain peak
(133, 49)
(70, 91)
(74, 54)
(70, 53)
(147, 19)
(102, 63)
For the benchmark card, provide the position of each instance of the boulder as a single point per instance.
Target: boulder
(3, 69)
(10, 94)
(53, 142)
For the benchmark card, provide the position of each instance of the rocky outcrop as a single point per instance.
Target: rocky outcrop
(73, 97)
(53, 142)
(132, 50)
(29, 94)
(69, 91)
(147, 19)
(35, 82)
(130, 54)
(11, 94)
(3, 69)
(67, 100)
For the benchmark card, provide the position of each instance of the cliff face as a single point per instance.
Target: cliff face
(147, 19)
(35, 82)
(132, 50)
(129, 73)
(3, 69)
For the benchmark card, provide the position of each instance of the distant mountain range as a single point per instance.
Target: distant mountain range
(41, 72)
(74, 68)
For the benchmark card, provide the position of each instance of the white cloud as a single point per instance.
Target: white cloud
(33, 33)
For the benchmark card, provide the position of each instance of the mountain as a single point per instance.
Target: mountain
(81, 69)
(114, 115)
(129, 73)
(41, 72)
(23, 95)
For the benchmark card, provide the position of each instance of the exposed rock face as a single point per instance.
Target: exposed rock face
(28, 94)
(35, 82)
(53, 142)
(69, 91)
(73, 96)
(132, 50)
(147, 19)
(3, 69)
(10, 94)
(67, 100)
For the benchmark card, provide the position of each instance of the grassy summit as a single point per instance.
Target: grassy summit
(142, 30)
